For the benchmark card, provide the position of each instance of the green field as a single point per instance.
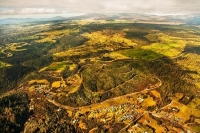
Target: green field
(141, 54)
(168, 46)
(56, 66)
(59, 66)
(163, 45)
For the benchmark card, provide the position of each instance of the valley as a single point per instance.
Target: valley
(100, 76)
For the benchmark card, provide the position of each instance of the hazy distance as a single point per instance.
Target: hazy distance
(158, 7)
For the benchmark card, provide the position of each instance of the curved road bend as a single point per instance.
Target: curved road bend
(108, 100)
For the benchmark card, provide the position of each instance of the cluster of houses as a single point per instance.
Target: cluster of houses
(39, 87)
(120, 113)
(169, 113)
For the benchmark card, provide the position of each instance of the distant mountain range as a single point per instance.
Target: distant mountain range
(194, 20)
(188, 19)
(27, 20)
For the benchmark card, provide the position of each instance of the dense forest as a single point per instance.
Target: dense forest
(14, 112)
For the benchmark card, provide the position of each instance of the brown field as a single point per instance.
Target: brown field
(42, 81)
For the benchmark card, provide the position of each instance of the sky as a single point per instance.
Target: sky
(11, 7)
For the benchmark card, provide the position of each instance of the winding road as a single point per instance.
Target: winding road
(102, 103)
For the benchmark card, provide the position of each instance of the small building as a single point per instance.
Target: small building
(174, 109)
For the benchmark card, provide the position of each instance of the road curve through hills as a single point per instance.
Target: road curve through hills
(101, 103)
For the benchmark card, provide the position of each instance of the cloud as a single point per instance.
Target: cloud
(98, 6)
(35, 11)
(10, 11)
(28, 11)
